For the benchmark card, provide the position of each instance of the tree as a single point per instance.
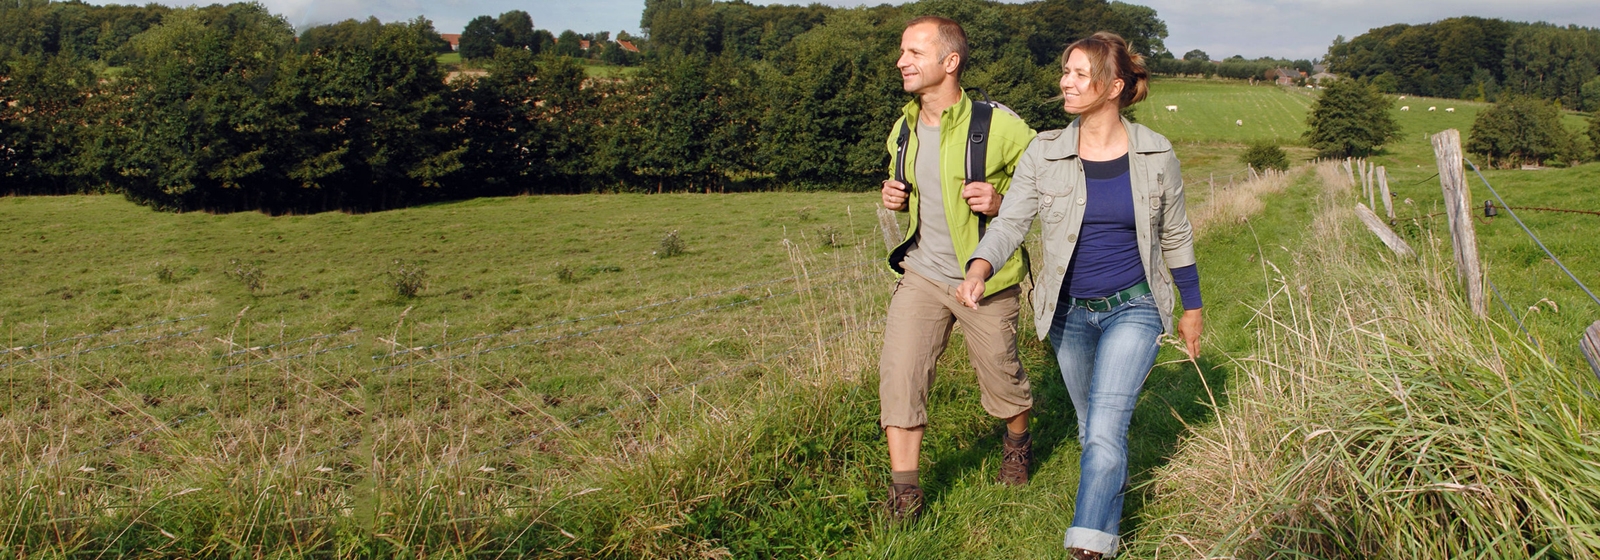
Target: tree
(1521, 130)
(515, 30)
(1350, 119)
(479, 38)
(1591, 95)
(1197, 55)
(1265, 155)
(1594, 134)
(568, 44)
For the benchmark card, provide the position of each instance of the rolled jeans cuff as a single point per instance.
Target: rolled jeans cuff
(1092, 540)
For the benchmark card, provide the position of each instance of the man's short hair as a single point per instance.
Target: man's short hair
(952, 38)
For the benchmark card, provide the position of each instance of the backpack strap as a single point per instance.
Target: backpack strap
(978, 147)
(900, 158)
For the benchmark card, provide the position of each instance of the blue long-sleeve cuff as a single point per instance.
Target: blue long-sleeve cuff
(1188, 280)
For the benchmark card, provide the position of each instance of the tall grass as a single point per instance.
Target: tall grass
(1380, 418)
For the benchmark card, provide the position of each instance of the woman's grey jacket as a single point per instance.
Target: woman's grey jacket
(1049, 183)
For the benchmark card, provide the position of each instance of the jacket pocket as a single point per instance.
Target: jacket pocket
(1054, 199)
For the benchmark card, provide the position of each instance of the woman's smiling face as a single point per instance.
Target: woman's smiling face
(1079, 91)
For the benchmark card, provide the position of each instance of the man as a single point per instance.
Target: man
(947, 217)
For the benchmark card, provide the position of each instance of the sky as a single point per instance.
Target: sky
(1222, 28)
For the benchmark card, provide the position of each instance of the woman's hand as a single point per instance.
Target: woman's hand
(1189, 327)
(971, 289)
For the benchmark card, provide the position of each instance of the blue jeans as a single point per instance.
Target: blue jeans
(1104, 357)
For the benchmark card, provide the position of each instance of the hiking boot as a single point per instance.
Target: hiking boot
(1015, 458)
(1081, 554)
(905, 502)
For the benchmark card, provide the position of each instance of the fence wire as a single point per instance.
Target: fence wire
(20, 349)
(1530, 233)
(99, 348)
(620, 312)
(581, 334)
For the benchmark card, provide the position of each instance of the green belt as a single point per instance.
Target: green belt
(1110, 302)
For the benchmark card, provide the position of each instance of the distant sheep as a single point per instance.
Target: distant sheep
(1402, 97)
(1406, 108)
(1238, 122)
(1430, 109)
(1449, 109)
(1172, 108)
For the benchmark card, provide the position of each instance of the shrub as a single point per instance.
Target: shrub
(1350, 119)
(1522, 130)
(249, 274)
(565, 274)
(830, 236)
(165, 274)
(1265, 155)
(407, 279)
(671, 245)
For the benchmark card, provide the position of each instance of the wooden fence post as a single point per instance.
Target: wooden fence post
(1348, 172)
(1213, 182)
(1377, 226)
(1458, 207)
(1372, 186)
(1590, 344)
(890, 224)
(1383, 185)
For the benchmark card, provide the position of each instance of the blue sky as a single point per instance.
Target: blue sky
(1253, 28)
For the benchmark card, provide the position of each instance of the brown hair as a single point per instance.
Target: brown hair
(952, 38)
(1110, 59)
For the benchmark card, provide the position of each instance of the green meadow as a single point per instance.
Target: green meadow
(654, 375)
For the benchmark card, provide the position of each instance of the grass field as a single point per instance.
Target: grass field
(558, 388)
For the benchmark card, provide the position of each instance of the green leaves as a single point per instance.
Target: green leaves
(1522, 130)
(1350, 119)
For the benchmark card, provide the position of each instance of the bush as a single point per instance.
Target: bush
(249, 274)
(407, 279)
(1265, 155)
(1350, 119)
(831, 237)
(671, 246)
(1522, 130)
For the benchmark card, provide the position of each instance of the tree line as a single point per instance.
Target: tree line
(1477, 58)
(226, 108)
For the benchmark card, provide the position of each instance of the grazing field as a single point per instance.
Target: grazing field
(695, 375)
(1553, 308)
(1226, 111)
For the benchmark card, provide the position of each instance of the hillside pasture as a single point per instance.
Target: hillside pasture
(1208, 109)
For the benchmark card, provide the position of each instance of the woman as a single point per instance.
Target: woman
(1116, 239)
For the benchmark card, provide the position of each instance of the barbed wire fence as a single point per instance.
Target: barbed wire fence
(268, 354)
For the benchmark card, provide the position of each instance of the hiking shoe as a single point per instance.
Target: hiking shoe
(905, 502)
(1081, 554)
(1015, 458)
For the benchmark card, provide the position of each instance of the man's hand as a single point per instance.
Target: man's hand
(982, 198)
(895, 194)
(1189, 327)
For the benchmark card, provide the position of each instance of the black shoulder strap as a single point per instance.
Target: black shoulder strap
(978, 147)
(900, 158)
(978, 141)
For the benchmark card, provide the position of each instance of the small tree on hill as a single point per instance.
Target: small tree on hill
(1350, 119)
(1197, 55)
(1594, 134)
(1521, 130)
(1265, 155)
(479, 38)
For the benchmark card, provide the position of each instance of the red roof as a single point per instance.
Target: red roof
(628, 46)
(453, 38)
(583, 44)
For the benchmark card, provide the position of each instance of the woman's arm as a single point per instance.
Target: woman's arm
(1177, 249)
(1007, 231)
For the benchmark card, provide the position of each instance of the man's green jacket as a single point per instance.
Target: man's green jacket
(1008, 137)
